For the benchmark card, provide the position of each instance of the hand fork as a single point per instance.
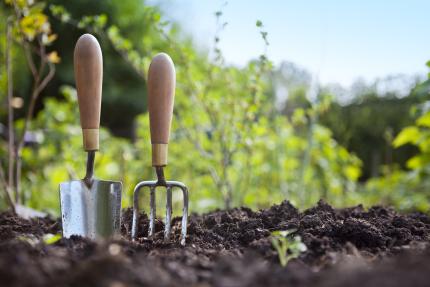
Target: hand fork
(161, 91)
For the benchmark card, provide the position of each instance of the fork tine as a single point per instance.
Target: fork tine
(169, 185)
(152, 212)
(168, 213)
(184, 214)
(135, 222)
(135, 213)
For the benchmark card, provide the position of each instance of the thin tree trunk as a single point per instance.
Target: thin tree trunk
(11, 132)
(19, 198)
(303, 192)
(6, 188)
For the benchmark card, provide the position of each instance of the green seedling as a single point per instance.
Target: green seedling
(287, 245)
(49, 238)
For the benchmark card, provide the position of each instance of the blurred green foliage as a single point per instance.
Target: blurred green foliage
(114, 23)
(230, 144)
(368, 124)
(406, 190)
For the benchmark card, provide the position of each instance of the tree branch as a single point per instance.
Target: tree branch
(11, 130)
(6, 189)
(48, 78)
(29, 57)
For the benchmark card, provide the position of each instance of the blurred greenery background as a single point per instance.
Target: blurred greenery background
(233, 143)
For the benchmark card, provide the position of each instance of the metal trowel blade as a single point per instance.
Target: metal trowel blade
(91, 212)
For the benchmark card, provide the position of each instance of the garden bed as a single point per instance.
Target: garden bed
(345, 247)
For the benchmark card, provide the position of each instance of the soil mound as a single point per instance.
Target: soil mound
(345, 247)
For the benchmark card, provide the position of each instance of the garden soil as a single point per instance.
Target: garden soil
(345, 247)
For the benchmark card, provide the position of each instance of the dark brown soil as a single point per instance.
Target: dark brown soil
(346, 247)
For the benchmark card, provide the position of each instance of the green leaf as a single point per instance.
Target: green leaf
(414, 162)
(407, 135)
(156, 17)
(352, 172)
(101, 21)
(259, 23)
(51, 238)
(424, 120)
(287, 246)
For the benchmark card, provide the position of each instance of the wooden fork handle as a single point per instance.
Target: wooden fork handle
(161, 93)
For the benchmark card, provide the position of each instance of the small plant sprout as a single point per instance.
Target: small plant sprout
(49, 238)
(287, 245)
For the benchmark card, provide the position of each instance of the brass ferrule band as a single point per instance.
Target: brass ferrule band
(159, 154)
(90, 139)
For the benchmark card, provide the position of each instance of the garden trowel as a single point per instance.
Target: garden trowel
(90, 207)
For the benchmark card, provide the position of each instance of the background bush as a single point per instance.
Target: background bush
(231, 143)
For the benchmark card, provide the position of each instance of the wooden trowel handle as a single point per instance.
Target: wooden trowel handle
(88, 63)
(161, 93)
